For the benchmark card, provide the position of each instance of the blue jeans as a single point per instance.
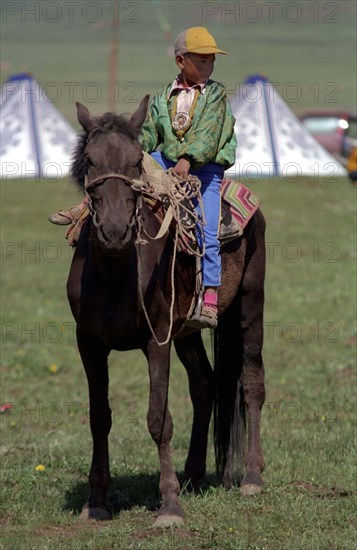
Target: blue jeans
(211, 175)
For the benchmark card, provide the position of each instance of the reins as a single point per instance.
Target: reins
(138, 186)
(138, 243)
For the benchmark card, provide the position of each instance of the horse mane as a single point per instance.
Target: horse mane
(107, 123)
(79, 165)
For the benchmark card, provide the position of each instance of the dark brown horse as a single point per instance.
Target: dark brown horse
(120, 289)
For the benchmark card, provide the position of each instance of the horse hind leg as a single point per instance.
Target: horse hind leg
(229, 409)
(160, 425)
(192, 354)
(254, 396)
(239, 397)
(239, 372)
(252, 377)
(94, 356)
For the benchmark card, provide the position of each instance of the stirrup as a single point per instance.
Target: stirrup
(207, 318)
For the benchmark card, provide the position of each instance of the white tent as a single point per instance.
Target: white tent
(35, 139)
(271, 140)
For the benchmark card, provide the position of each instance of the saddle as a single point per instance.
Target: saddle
(237, 207)
(172, 199)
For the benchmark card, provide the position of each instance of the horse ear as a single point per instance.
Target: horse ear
(84, 117)
(138, 118)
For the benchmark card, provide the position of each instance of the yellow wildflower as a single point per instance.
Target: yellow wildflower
(40, 468)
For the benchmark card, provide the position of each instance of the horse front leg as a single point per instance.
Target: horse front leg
(94, 355)
(160, 425)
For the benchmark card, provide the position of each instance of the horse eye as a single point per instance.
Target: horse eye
(88, 160)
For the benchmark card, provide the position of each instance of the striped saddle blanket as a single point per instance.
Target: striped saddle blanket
(239, 204)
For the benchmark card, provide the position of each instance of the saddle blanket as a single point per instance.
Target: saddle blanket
(242, 202)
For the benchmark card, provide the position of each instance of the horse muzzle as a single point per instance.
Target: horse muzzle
(114, 241)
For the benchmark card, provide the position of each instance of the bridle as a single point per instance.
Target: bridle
(136, 184)
(110, 175)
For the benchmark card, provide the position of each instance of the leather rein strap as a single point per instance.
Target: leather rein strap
(138, 186)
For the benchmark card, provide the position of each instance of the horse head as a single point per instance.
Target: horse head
(110, 157)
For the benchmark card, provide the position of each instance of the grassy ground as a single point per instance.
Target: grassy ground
(309, 419)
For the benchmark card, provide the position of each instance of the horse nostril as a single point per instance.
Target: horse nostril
(95, 219)
(106, 237)
(112, 237)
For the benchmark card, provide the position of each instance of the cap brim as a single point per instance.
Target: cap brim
(207, 50)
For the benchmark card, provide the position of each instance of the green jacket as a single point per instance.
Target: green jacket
(210, 138)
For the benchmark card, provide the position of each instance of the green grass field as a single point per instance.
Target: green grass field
(309, 419)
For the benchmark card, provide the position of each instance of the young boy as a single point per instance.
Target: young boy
(192, 123)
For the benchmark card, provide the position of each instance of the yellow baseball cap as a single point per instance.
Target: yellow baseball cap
(196, 40)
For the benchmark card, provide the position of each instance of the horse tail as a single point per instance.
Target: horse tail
(229, 408)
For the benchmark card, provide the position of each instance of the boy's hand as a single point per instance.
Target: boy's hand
(182, 168)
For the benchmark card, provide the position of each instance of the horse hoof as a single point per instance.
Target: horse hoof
(168, 521)
(250, 489)
(97, 513)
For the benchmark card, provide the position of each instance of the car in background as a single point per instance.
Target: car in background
(336, 131)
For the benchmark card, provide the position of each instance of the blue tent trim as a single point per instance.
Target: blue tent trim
(252, 79)
(20, 76)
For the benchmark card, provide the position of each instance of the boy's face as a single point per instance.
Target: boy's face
(196, 68)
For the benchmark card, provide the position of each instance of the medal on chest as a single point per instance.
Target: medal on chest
(182, 121)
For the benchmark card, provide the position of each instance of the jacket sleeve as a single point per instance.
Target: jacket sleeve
(212, 132)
